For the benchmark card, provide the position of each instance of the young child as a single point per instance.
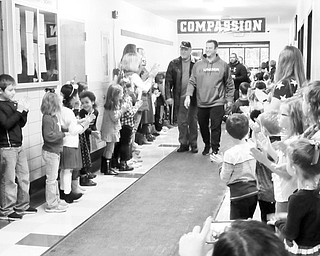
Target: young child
(14, 197)
(243, 99)
(111, 126)
(71, 155)
(237, 169)
(301, 228)
(88, 105)
(52, 147)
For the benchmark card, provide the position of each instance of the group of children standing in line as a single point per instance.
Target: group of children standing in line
(66, 131)
(277, 164)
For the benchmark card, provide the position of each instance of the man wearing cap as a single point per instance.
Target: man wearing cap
(176, 82)
(211, 77)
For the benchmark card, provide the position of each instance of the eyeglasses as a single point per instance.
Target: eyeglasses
(52, 90)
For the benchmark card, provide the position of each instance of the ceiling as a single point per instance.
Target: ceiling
(278, 13)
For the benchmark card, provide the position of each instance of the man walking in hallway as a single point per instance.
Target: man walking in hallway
(177, 78)
(239, 73)
(211, 78)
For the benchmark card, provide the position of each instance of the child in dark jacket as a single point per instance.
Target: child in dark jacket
(14, 171)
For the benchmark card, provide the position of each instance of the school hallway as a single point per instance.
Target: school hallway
(70, 233)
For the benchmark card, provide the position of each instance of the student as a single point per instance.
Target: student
(88, 105)
(249, 238)
(301, 228)
(52, 147)
(111, 126)
(237, 169)
(71, 154)
(289, 75)
(122, 148)
(14, 171)
(243, 100)
(311, 106)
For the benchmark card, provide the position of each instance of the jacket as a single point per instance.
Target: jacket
(240, 72)
(213, 83)
(11, 122)
(173, 83)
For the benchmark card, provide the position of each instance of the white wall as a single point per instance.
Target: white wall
(303, 10)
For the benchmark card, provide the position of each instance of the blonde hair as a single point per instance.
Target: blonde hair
(290, 65)
(51, 104)
(131, 62)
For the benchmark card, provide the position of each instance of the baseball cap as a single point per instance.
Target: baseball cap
(185, 44)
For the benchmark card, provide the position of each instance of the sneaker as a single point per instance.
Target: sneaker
(30, 210)
(215, 151)
(57, 209)
(183, 148)
(91, 175)
(14, 216)
(194, 149)
(63, 203)
(206, 150)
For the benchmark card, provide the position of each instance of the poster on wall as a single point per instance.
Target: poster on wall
(249, 25)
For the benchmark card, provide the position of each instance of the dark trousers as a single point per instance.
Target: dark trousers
(243, 208)
(122, 148)
(215, 115)
(266, 208)
(188, 125)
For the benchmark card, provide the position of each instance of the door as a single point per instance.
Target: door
(72, 51)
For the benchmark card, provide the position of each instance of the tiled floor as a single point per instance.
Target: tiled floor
(34, 234)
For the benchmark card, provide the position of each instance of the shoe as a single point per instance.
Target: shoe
(91, 175)
(215, 151)
(145, 141)
(124, 167)
(150, 138)
(206, 150)
(69, 198)
(194, 149)
(30, 210)
(85, 181)
(14, 216)
(57, 209)
(183, 148)
(156, 134)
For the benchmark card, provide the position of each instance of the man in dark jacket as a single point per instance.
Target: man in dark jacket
(176, 82)
(239, 73)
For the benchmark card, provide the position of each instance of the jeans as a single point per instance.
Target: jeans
(188, 125)
(52, 161)
(14, 181)
(215, 115)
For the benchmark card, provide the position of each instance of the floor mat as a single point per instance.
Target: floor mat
(150, 216)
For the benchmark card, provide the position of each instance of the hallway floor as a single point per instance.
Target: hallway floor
(34, 234)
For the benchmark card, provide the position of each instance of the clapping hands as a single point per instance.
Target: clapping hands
(23, 104)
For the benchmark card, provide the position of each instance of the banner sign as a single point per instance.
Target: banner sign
(250, 25)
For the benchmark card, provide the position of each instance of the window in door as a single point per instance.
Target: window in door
(36, 48)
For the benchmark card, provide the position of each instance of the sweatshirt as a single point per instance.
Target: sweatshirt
(11, 122)
(52, 134)
(213, 83)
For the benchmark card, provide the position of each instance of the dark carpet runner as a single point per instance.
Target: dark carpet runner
(150, 216)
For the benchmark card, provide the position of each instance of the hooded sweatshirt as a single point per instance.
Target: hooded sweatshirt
(213, 83)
